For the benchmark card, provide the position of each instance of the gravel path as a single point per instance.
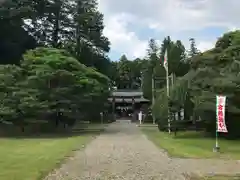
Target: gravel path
(124, 153)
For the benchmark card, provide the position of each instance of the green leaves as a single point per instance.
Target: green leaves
(50, 81)
(213, 72)
(160, 107)
(73, 25)
(178, 94)
(127, 73)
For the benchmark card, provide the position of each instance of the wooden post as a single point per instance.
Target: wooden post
(133, 107)
(113, 108)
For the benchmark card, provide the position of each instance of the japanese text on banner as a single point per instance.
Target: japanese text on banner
(220, 110)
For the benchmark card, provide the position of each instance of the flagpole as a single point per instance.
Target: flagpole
(167, 80)
(153, 97)
(216, 143)
(216, 148)
(165, 64)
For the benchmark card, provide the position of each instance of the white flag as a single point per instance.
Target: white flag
(165, 62)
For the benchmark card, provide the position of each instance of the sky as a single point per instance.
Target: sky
(130, 24)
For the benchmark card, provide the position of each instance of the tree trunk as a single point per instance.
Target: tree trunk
(56, 28)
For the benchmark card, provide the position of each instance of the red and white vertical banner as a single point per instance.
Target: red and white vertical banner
(220, 110)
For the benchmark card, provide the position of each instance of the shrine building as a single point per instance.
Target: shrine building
(127, 103)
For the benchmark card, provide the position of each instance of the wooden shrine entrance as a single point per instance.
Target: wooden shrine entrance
(127, 103)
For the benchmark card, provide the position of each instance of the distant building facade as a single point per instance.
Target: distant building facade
(127, 102)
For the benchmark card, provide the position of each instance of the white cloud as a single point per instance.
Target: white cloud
(205, 45)
(169, 17)
(122, 40)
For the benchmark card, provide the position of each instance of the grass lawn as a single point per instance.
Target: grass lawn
(32, 158)
(192, 144)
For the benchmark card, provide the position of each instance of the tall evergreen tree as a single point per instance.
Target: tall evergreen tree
(14, 39)
(75, 25)
(193, 51)
(152, 53)
(88, 44)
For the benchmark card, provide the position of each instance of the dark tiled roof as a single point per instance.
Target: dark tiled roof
(127, 93)
(137, 100)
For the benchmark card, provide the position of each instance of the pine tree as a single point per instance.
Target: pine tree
(193, 48)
